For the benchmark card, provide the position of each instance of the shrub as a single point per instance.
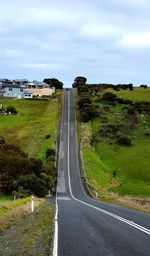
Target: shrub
(47, 136)
(2, 141)
(147, 133)
(131, 110)
(50, 152)
(124, 141)
(109, 96)
(85, 117)
(12, 110)
(83, 101)
(51, 159)
(143, 86)
(114, 173)
(106, 131)
(124, 101)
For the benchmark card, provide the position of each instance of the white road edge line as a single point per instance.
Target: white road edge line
(143, 229)
(55, 245)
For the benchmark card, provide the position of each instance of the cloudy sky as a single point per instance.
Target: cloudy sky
(103, 40)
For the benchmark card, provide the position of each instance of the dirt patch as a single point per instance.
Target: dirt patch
(14, 214)
(31, 234)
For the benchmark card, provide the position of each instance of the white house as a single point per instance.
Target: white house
(13, 90)
(27, 91)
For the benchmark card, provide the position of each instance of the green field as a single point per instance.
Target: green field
(35, 119)
(131, 164)
(139, 94)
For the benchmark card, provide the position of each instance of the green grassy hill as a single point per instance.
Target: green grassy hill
(111, 167)
(35, 120)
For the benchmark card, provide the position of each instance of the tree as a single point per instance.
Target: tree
(17, 170)
(143, 86)
(53, 82)
(79, 81)
(130, 86)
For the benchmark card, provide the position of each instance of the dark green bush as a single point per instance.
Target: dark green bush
(50, 152)
(85, 117)
(124, 141)
(109, 96)
(18, 171)
(131, 110)
(12, 110)
(47, 136)
(83, 101)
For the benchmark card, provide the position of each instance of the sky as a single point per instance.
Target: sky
(106, 41)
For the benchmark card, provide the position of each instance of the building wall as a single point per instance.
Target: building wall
(19, 92)
(14, 93)
(42, 91)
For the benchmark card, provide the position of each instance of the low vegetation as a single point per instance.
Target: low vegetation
(34, 228)
(117, 160)
(23, 176)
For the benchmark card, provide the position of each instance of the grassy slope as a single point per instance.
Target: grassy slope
(139, 94)
(131, 163)
(35, 119)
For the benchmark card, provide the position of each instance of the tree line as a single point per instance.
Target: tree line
(22, 175)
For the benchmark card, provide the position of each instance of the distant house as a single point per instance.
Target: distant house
(40, 89)
(13, 90)
(28, 94)
(26, 90)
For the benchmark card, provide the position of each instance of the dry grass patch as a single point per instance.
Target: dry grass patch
(132, 202)
(86, 135)
(10, 212)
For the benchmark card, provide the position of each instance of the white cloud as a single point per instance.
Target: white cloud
(100, 30)
(45, 66)
(136, 39)
(141, 3)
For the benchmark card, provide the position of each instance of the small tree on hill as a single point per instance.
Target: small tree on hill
(79, 81)
(53, 82)
(143, 86)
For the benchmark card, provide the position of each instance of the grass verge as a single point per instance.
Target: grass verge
(30, 234)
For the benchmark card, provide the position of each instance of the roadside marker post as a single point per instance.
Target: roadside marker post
(32, 204)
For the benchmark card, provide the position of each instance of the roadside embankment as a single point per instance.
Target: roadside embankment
(24, 232)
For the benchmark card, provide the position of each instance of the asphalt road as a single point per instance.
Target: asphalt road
(86, 226)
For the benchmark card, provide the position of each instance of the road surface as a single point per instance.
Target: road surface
(85, 226)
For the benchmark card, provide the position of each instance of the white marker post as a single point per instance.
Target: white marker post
(32, 204)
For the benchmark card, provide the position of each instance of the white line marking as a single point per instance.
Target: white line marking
(55, 245)
(63, 198)
(143, 229)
